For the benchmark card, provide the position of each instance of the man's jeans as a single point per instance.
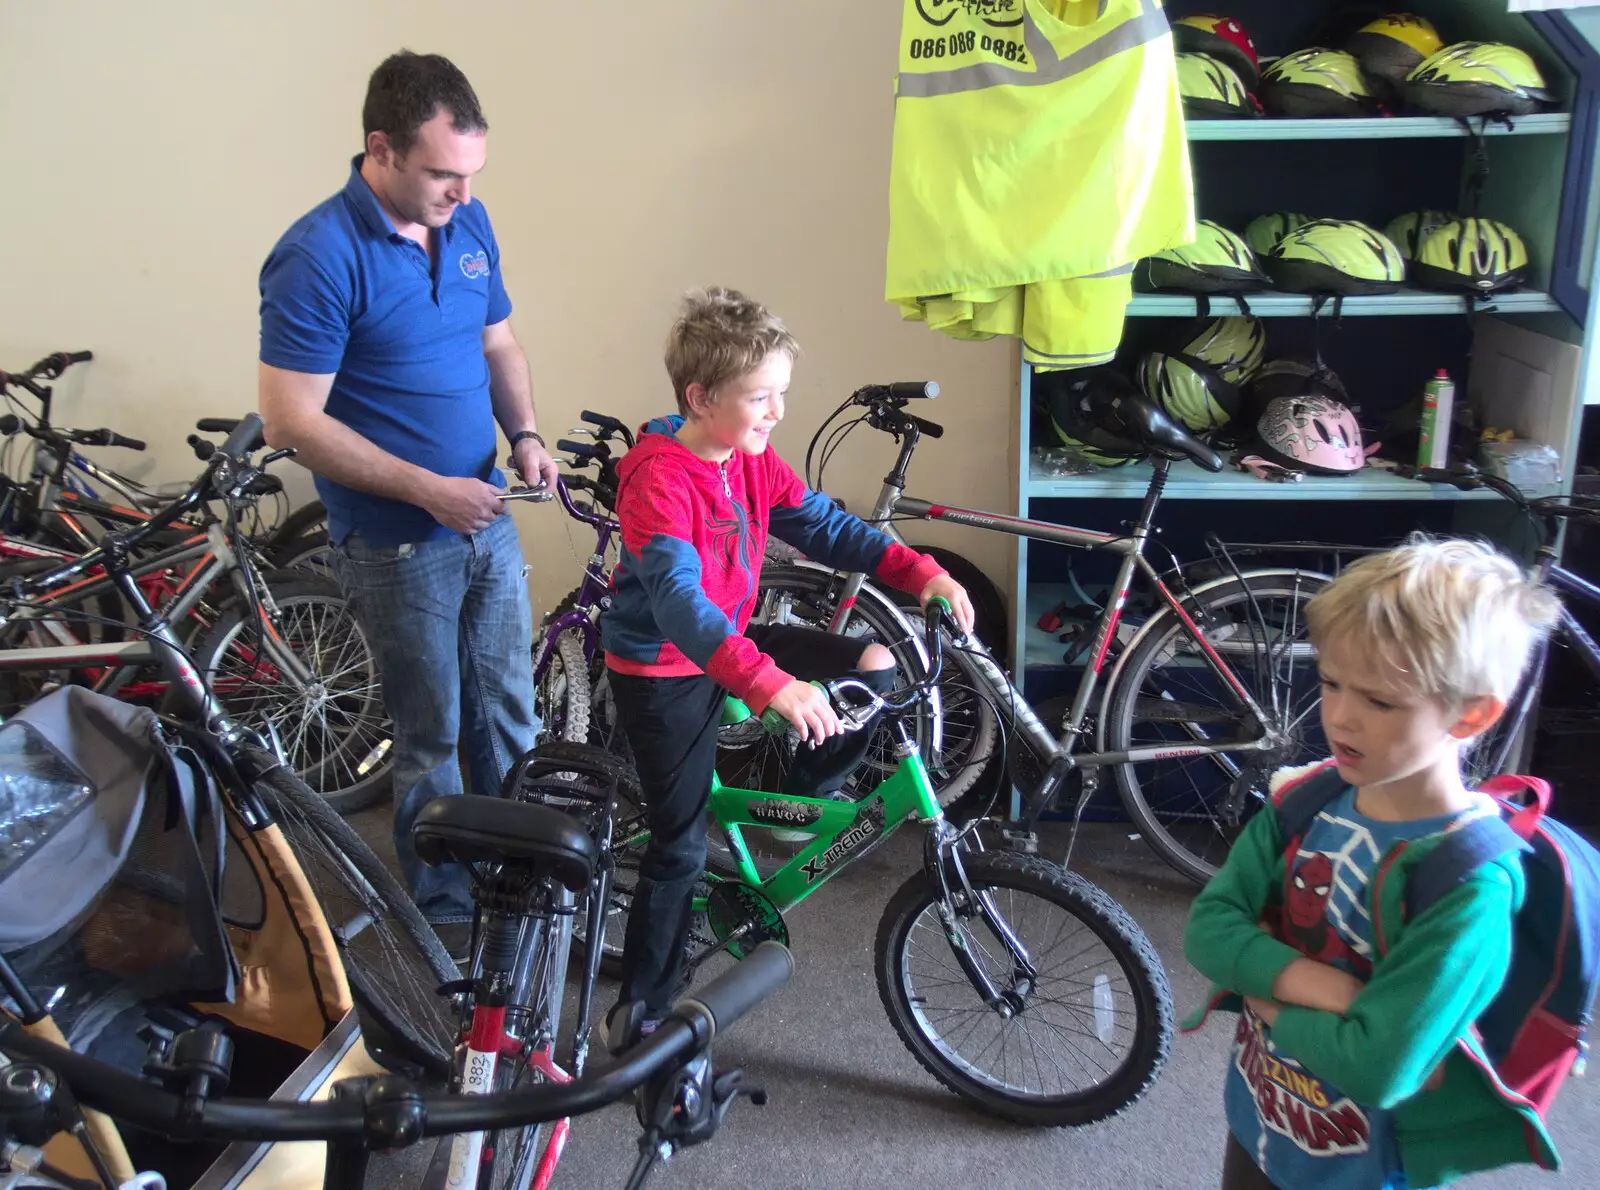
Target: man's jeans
(450, 623)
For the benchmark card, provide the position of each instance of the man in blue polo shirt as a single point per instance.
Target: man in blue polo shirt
(387, 358)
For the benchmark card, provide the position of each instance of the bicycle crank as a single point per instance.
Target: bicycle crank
(742, 917)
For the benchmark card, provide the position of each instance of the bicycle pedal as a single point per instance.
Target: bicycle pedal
(1021, 842)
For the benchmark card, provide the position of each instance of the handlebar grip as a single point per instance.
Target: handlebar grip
(105, 437)
(77, 357)
(736, 991)
(204, 448)
(930, 429)
(246, 437)
(10, 424)
(910, 390)
(601, 420)
(581, 449)
(775, 724)
(217, 425)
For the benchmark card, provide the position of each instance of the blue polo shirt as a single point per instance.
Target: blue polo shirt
(343, 292)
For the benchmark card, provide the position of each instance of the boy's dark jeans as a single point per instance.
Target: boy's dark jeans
(671, 725)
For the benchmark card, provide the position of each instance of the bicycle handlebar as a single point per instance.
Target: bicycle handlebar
(865, 702)
(11, 424)
(104, 437)
(217, 425)
(229, 472)
(609, 424)
(393, 1111)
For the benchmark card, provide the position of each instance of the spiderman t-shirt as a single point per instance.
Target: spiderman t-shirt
(1302, 1131)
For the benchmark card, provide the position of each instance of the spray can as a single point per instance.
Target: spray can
(1438, 404)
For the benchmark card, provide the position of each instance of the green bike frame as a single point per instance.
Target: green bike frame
(842, 832)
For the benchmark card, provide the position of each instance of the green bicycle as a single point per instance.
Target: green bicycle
(1018, 984)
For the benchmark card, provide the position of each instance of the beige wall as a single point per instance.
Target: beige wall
(155, 151)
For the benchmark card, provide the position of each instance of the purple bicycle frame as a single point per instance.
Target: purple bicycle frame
(591, 592)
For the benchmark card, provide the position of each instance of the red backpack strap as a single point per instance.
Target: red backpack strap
(1523, 817)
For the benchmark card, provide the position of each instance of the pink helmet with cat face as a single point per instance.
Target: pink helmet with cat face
(1312, 433)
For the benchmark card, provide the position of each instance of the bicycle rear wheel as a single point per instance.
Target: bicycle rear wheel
(334, 730)
(1078, 1043)
(394, 961)
(1164, 692)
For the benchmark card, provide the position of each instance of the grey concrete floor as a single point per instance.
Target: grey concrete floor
(850, 1107)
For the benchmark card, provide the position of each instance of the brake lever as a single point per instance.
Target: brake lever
(287, 452)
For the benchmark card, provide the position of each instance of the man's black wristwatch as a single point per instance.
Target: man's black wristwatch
(521, 434)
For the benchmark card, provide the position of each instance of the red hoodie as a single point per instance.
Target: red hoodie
(693, 536)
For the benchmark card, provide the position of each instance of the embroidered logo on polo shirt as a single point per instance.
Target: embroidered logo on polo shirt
(474, 264)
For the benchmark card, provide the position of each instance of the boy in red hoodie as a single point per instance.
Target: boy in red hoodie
(697, 497)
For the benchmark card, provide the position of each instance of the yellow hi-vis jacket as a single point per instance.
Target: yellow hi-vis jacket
(1039, 152)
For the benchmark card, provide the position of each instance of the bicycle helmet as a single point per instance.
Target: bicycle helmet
(1312, 433)
(1198, 384)
(1316, 82)
(1218, 261)
(1280, 378)
(1391, 47)
(1408, 230)
(1478, 78)
(1190, 392)
(1339, 256)
(1477, 255)
(1082, 406)
(1222, 38)
(1264, 231)
(1211, 89)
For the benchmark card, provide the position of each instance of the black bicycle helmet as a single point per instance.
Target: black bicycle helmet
(1082, 404)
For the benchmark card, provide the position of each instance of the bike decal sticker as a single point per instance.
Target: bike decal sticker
(782, 813)
(866, 829)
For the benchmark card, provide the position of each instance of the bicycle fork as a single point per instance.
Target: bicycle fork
(951, 876)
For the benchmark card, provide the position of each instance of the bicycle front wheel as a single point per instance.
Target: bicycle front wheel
(1166, 692)
(1078, 1041)
(394, 961)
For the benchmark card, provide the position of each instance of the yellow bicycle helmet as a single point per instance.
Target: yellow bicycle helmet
(1478, 78)
(1197, 384)
(1391, 47)
(1408, 230)
(1218, 261)
(1211, 89)
(1338, 256)
(1264, 231)
(1476, 255)
(1316, 82)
